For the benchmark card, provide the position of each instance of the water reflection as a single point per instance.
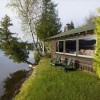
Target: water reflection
(7, 66)
(13, 83)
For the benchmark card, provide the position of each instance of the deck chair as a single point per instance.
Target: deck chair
(56, 61)
(68, 65)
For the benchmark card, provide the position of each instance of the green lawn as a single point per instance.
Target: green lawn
(52, 83)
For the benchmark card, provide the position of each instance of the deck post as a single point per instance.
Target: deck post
(64, 46)
(77, 47)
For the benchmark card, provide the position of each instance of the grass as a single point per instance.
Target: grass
(52, 83)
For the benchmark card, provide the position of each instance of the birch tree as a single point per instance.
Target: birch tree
(28, 12)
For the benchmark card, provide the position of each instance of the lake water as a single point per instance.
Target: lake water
(7, 66)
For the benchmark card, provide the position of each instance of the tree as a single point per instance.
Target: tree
(10, 45)
(72, 25)
(90, 19)
(28, 12)
(49, 23)
(97, 54)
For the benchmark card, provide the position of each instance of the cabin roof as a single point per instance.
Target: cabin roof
(75, 31)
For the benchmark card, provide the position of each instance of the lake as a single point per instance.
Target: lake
(7, 66)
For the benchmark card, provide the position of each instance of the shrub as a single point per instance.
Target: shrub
(36, 57)
(48, 55)
(97, 55)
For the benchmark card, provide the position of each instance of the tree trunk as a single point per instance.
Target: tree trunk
(36, 47)
(34, 43)
(43, 48)
(29, 62)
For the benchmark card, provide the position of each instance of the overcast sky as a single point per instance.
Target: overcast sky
(68, 10)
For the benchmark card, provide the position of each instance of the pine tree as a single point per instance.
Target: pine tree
(11, 45)
(49, 23)
(72, 25)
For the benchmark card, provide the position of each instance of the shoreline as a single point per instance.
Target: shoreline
(29, 73)
(12, 92)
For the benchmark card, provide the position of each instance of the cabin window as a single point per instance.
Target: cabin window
(87, 46)
(70, 46)
(59, 46)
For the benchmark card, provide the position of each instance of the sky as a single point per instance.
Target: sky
(68, 10)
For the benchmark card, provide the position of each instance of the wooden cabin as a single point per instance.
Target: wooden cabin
(78, 44)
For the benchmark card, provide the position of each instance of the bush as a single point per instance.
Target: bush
(97, 54)
(36, 57)
(48, 55)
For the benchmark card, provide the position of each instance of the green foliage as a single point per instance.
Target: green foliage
(11, 46)
(5, 34)
(72, 25)
(49, 23)
(12, 83)
(97, 55)
(28, 12)
(36, 57)
(52, 83)
(30, 46)
(90, 19)
(16, 51)
(48, 55)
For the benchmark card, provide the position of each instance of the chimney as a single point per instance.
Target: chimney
(67, 27)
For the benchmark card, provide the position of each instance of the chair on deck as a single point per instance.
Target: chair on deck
(68, 64)
(56, 61)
